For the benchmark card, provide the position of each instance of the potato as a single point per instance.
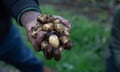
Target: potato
(44, 44)
(47, 27)
(64, 39)
(56, 21)
(42, 18)
(59, 28)
(54, 41)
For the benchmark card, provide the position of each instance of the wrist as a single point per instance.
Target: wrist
(29, 19)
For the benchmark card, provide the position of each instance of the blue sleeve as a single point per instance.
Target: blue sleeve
(18, 7)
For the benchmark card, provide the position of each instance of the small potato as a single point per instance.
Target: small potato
(35, 30)
(56, 21)
(66, 33)
(47, 27)
(44, 44)
(54, 41)
(64, 39)
(66, 42)
(62, 29)
(42, 18)
(59, 28)
(34, 34)
(50, 19)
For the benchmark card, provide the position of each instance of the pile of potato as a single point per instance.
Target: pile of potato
(56, 38)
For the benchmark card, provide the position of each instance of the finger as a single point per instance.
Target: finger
(38, 40)
(33, 42)
(36, 46)
(49, 49)
(40, 36)
(48, 55)
(56, 54)
(49, 52)
(64, 21)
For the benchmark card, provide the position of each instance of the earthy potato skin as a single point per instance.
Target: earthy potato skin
(56, 38)
(54, 41)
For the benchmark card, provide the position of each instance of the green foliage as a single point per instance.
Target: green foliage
(89, 39)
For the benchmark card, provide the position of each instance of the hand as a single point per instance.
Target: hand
(64, 21)
(29, 19)
(36, 41)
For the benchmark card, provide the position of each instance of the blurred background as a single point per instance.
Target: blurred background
(91, 25)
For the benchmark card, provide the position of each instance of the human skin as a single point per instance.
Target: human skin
(29, 19)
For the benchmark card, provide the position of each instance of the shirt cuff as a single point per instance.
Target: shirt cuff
(25, 10)
(21, 6)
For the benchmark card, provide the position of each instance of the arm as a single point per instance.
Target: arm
(114, 44)
(18, 7)
(26, 12)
